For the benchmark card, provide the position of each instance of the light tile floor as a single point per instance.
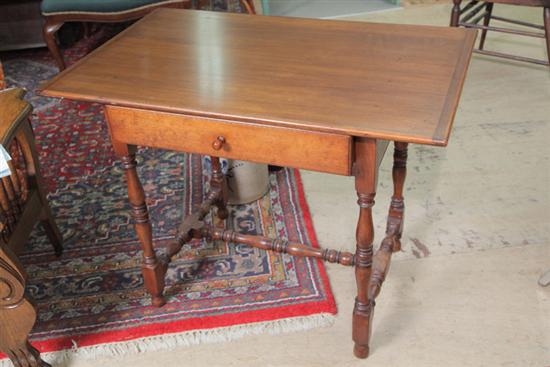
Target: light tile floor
(326, 8)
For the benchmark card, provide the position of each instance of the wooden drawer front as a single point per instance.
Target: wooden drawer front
(250, 142)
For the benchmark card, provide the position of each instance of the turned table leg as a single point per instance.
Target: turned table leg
(365, 185)
(17, 314)
(392, 240)
(370, 271)
(397, 207)
(152, 269)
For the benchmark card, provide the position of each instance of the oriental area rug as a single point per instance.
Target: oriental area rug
(91, 301)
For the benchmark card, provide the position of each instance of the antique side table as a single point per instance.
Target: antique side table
(312, 94)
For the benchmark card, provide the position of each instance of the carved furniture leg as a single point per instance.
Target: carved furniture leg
(153, 270)
(365, 185)
(48, 32)
(455, 14)
(486, 20)
(17, 314)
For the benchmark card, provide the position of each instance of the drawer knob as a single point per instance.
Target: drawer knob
(218, 143)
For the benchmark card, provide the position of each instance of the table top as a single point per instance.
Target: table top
(387, 81)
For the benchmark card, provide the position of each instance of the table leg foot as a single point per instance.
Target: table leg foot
(362, 325)
(154, 273)
(361, 351)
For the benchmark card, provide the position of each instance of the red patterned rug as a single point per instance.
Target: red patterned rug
(94, 293)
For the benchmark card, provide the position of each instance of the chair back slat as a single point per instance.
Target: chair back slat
(6, 209)
(12, 199)
(26, 150)
(15, 182)
(14, 190)
(5, 230)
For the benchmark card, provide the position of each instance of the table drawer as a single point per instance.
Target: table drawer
(236, 140)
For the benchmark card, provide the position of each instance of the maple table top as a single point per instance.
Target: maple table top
(387, 81)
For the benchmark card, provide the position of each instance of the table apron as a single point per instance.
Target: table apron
(317, 151)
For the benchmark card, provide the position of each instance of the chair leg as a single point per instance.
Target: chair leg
(486, 20)
(51, 229)
(48, 32)
(26, 144)
(248, 5)
(455, 14)
(88, 29)
(547, 29)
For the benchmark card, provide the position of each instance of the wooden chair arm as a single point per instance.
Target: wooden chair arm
(13, 110)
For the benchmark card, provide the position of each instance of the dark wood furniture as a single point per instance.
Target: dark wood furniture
(475, 11)
(54, 20)
(22, 203)
(20, 24)
(320, 95)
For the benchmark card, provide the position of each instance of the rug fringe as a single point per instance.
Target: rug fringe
(172, 341)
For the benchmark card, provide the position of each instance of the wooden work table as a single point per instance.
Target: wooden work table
(313, 94)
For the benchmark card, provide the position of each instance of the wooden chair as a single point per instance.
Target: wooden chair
(248, 5)
(22, 204)
(58, 12)
(469, 16)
